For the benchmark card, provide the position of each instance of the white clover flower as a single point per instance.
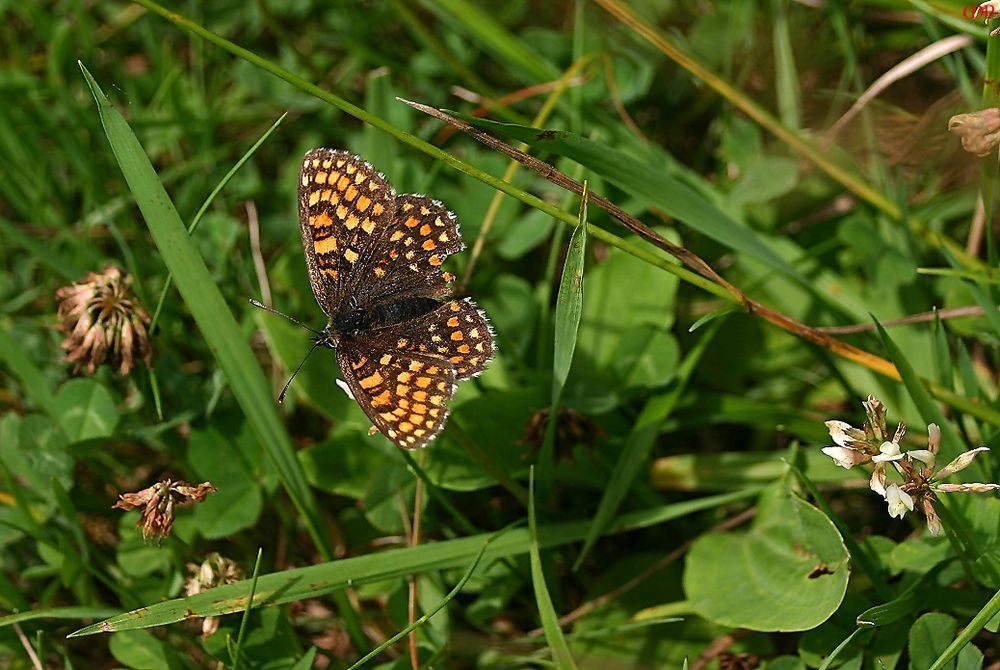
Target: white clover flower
(877, 483)
(899, 501)
(959, 464)
(889, 451)
(846, 457)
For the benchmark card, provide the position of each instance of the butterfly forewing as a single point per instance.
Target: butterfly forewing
(344, 207)
(422, 234)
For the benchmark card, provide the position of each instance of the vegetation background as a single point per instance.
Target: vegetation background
(680, 508)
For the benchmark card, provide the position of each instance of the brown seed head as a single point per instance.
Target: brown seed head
(103, 322)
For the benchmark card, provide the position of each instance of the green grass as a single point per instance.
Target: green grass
(670, 323)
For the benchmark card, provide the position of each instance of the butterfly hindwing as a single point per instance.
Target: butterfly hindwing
(457, 332)
(405, 395)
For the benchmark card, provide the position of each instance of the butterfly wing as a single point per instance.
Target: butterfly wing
(405, 395)
(345, 205)
(458, 333)
(404, 375)
(412, 249)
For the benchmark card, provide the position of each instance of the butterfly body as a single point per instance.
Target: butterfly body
(374, 260)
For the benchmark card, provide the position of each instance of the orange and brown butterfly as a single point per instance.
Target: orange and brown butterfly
(374, 260)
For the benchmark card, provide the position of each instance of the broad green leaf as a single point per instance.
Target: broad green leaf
(765, 179)
(968, 656)
(226, 459)
(86, 410)
(612, 309)
(789, 572)
(929, 636)
(141, 651)
(38, 454)
(33, 382)
(344, 464)
(646, 357)
(522, 233)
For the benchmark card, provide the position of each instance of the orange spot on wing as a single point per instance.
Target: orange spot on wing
(325, 245)
(371, 381)
(321, 220)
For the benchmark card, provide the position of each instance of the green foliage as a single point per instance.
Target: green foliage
(660, 410)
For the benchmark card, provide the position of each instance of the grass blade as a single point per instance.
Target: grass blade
(550, 622)
(569, 304)
(318, 580)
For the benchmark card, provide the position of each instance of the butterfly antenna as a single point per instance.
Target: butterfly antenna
(260, 305)
(284, 390)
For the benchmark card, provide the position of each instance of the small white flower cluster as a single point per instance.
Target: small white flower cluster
(920, 483)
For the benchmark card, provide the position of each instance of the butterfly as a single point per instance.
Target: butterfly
(374, 259)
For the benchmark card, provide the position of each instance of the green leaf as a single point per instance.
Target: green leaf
(86, 410)
(509, 49)
(341, 466)
(550, 621)
(522, 233)
(59, 613)
(929, 637)
(765, 179)
(646, 357)
(225, 460)
(140, 650)
(210, 312)
(614, 307)
(903, 605)
(788, 573)
(639, 444)
(569, 303)
(33, 381)
(39, 453)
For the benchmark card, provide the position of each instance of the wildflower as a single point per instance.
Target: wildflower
(899, 501)
(846, 457)
(980, 131)
(889, 450)
(103, 322)
(920, 483)
(157, 503)
(214, 571)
